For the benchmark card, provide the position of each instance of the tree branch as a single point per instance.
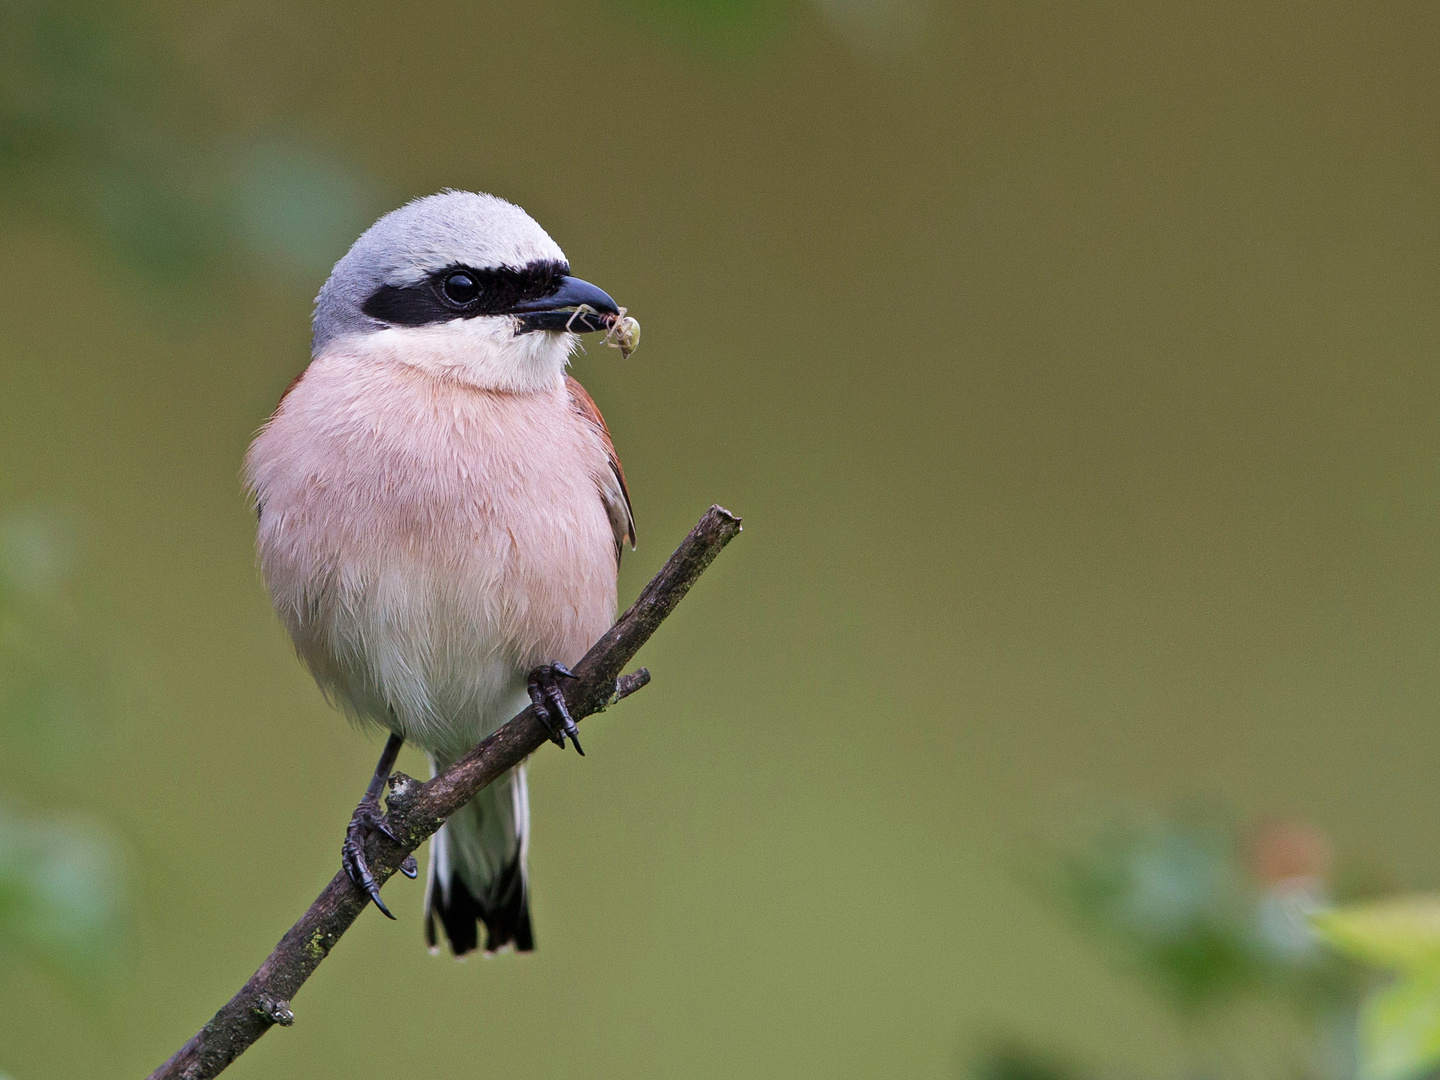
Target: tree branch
(416, 810)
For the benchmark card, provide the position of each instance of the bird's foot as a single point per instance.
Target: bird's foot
(549, 702)
(367, 820)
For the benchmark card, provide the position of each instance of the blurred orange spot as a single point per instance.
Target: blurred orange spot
(1284, 850)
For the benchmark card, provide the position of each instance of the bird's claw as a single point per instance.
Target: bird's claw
(550, 707)
(366, 820)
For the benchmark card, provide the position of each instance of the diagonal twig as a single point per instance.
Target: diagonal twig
(416, 810)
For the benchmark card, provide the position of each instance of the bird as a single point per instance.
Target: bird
(441, 514)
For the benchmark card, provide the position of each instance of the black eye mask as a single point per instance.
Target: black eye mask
(462, 292)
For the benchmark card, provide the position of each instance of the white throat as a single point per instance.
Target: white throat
(483, 352)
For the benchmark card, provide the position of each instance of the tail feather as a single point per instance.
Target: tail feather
(478, 874)
(506, 918)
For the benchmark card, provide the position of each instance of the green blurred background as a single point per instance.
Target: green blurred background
(1072, 365)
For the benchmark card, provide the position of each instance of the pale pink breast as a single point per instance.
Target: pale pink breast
(428, 543)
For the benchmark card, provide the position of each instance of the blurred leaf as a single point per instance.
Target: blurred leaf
(877, 29)
(1170, 895)
(297, 208)
(62, 889)
(83, 121)
(1015, 1061)
(88, 132)
(715, 15)
(713, 25)
(152, 222)
(37, 551)
(1399, 1023)
(1400, 933)
(1400, 1027)
(56, 61)
(1182, 902)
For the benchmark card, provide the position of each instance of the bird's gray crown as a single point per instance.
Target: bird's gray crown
(420, 239)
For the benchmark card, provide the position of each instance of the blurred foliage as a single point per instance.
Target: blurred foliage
(1169, 895)
(1016, 1061)
(62, 889)
(1399, 1025)
(1204, 919)
(62, 877)
(711, 23)
(89, 133)
(1210, 915)
(877, 29)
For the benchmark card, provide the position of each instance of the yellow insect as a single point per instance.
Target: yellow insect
(624, 334)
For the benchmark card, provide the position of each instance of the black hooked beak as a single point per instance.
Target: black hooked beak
(576, 306)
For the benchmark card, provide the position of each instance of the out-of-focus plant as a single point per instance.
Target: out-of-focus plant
(62, 892)
(62, 876)
(90, 135)
(1205, 917)
(1013, 1060)
(1210, 915)
(876, 29)
(1399, 1025)
(714, 24)
(103, 128)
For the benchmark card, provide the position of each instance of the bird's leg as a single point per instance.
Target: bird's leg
(549, 702)
(367, 819)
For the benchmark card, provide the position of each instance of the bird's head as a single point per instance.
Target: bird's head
(465, 286)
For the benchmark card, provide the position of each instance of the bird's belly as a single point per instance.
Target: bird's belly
(424, 573)
(406, 646)
(435, 641)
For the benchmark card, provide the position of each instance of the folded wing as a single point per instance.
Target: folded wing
(613, 491)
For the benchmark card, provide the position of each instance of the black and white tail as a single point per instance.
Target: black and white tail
(477, 872)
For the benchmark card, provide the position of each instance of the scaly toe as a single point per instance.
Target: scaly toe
(541, 688)
(366, 819)
(556, 700)
(352, 855)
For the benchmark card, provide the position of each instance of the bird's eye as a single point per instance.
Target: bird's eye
(460, 287)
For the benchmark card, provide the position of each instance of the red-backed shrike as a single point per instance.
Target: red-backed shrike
(441, 517)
